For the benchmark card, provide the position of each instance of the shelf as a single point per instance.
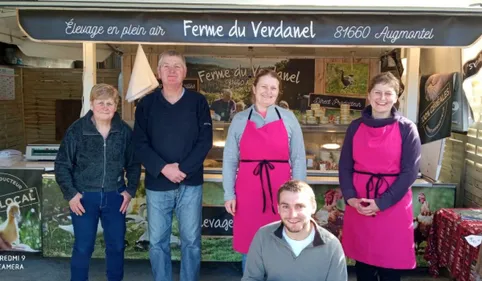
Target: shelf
(330, 128)
(333, 180)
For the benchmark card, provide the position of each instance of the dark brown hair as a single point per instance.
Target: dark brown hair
(386, 78)
(266, 72)
(297, 186)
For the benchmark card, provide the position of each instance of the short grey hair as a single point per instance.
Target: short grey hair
(171, 53)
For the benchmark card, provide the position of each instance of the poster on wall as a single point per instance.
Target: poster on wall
(425, 202)
(237, 75)
(217, 225)
(347, 79)
(435, 106)
(7, 83)
(20, 219)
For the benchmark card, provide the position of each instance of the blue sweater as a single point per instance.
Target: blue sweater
(166, 133)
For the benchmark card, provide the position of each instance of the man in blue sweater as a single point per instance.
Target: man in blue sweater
(173, 134)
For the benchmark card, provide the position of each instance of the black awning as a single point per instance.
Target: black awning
(292, 6)
(254, 29)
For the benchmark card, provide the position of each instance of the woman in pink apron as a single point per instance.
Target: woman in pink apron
(266, 143)
(379, 162)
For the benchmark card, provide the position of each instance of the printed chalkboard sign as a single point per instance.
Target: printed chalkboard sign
(216, 221)
(336, 101)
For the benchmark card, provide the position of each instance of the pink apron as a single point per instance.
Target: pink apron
(387, 239)
(263, 168)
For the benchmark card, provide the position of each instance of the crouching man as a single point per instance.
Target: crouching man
(295, 248)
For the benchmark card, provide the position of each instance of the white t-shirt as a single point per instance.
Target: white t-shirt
(298, 246)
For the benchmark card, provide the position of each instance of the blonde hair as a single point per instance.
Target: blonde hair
(104, 91)
(171, 53)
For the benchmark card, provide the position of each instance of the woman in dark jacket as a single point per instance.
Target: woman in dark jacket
(95, 156)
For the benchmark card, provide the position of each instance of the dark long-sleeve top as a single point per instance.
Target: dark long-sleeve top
(166, 133)
(88, 162)
(410, 160)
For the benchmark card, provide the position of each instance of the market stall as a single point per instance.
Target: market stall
(325, 59)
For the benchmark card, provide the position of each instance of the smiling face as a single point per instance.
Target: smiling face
(383, 94)
(296, 209)
(266, 91)
(171, 70)
(382, 98)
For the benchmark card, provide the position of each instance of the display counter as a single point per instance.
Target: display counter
(45, 223)
(217, 223)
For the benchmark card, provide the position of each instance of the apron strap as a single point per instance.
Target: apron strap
(251, 112)
(277, 112)
(375, 182)
(263, 167)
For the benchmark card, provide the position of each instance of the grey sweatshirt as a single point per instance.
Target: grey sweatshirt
(235, 132)
(270, 257)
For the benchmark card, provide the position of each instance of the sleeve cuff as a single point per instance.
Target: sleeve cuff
(132, 192)
(70, 194)
(229, 197)
(381, 204)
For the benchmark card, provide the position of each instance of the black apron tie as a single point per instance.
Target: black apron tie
(375, 182)
(263, 167)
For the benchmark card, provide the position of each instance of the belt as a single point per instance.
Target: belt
(371, 185)
(265, 166)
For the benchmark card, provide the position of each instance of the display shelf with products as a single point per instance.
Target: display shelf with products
(322, 145)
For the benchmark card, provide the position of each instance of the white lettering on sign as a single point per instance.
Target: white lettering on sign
(473, 65)
(23, 198)
(213, 75)
(74, 28)
(352, 32)
(393, 35)
(205, 76)
(259, 29)
(202, 29)
(11, 181)
(133, 30)
(282, 31)
(225, 224)
(92, 30)
(237, 31)
(334, 102)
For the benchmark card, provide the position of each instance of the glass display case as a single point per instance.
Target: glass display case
(322, 144)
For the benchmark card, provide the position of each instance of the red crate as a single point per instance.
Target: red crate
(465, 254)
(447, 246)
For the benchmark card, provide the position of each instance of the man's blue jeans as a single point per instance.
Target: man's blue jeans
(186, 201)
(104, 206)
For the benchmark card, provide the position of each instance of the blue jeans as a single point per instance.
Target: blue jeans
(103, 205)
(186, 201)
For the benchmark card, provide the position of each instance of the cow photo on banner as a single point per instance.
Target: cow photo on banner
(435, 107)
